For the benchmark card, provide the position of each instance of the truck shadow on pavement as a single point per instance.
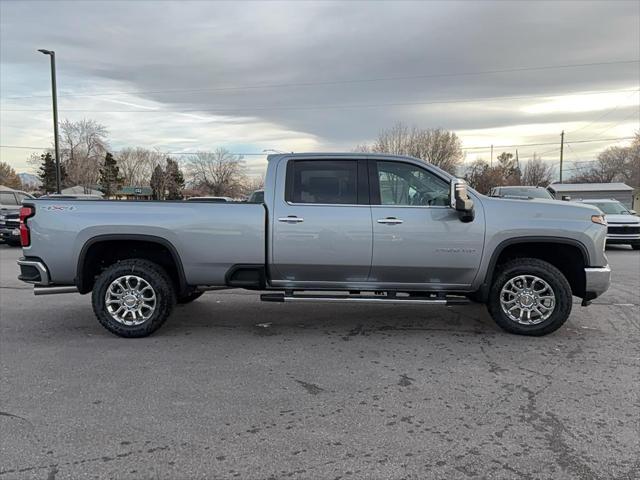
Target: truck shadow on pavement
(218, 313)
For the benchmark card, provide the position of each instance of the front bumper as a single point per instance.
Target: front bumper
(10, 233)
(597, 281)
(618, 238)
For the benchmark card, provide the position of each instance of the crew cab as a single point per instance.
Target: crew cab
(333, 228)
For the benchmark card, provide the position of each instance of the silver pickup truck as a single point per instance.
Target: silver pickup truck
(332, 228)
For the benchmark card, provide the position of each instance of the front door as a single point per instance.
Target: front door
(418, 240)
(322, 224)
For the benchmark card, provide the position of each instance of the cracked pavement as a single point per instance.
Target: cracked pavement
(318, 391)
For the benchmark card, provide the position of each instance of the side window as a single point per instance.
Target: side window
(20, 197)
(7, 198)
(322, 181)
(406, 184)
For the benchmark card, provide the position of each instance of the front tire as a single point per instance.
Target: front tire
(133, 298)
(529, 297)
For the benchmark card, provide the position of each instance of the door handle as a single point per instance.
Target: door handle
(390, 221)
(291, 219)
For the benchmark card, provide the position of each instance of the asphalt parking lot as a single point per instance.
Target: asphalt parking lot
(324, 391)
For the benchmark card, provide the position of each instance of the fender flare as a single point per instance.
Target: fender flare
(182, 281)
(488, 277)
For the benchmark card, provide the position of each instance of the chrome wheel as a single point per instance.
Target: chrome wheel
(130, 300)
(527, 299)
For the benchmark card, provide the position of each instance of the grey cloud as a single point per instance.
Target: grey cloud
(201, 45)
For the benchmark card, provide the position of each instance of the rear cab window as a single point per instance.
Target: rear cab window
(326, 182)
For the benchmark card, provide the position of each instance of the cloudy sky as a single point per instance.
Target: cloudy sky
(311, 76)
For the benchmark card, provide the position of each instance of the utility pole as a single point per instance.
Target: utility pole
(491, 163)
(517, 160)
(54, 97)
(561, 152)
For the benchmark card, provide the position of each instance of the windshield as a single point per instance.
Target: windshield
(611, 208)
(525, 192)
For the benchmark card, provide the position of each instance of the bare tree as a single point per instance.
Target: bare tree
(614, 164)
(252, 184)
(8, 176)
(137, 165)
(537, 172)
(437, 146)
(83, 145)
(218, 173)
(483, 177)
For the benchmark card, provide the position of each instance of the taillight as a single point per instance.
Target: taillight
(25, 236)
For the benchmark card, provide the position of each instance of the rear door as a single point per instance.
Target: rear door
(321, 222)
(418, 240)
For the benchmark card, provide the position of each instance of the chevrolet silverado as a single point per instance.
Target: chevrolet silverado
(332, 228)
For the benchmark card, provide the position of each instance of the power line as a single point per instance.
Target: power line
(223, 110)
(32, 147)
(341, 82)
(606, 114)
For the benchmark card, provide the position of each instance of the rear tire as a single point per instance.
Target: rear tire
(545, 296)
(133, 298)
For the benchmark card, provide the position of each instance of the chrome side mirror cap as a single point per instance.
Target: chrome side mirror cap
(460, 200)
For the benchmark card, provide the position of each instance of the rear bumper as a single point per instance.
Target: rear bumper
(597, 281)
(33, 271)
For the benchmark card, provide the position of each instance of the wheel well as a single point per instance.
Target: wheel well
(98, 255)
(567, 258)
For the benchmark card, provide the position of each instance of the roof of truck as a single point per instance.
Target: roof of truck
(340, 154)
(337, 155)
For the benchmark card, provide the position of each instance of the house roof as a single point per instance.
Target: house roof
(142, 191)
(590, 187)
(80, 190)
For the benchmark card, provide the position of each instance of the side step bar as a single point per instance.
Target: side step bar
(389, 299)
(54, 290)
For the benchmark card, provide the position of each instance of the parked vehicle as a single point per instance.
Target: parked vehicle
(623, 224)
(10, 202)
(256, 197)
(210, 199)
(10, 227)
(376, 228)
(521, 192)
(11, 199)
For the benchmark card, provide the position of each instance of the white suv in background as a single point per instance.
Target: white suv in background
(623, 224)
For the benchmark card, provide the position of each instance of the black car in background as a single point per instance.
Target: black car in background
(10, 227)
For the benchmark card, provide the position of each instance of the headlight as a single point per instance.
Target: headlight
(599, 219)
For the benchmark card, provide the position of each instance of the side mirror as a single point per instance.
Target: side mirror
(566, 198)
(633, 212)
(460, 200)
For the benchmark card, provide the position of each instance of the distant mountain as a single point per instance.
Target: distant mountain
(29, 180)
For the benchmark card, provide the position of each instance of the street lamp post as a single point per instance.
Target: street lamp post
(54, 96)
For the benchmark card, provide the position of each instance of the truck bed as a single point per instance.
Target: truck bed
(208, 237)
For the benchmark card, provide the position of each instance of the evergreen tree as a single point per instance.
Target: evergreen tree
(157, 183)
(110, 180)
(174, 180)
(47, 173)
